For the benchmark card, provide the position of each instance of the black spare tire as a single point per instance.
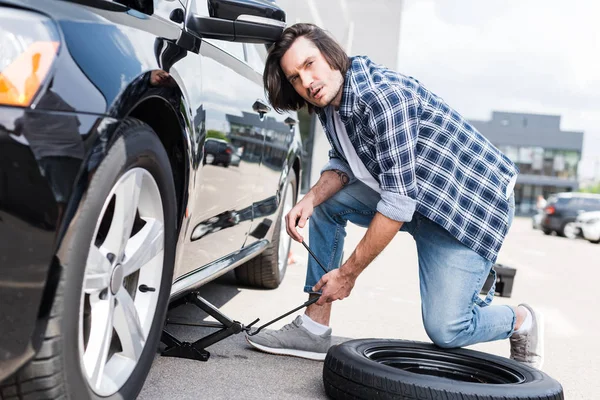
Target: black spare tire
(399, 369)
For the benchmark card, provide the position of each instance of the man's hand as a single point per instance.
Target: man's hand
(298, 215)
(335, 285)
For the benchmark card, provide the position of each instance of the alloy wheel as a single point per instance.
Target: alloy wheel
(121, 282)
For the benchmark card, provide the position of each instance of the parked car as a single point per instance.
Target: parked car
(218, 151)
(562, 211)
(589, 225)
(107, 212)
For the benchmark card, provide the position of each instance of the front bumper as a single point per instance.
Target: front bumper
(37, 178)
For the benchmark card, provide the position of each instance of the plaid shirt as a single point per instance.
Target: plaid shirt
(425, 156)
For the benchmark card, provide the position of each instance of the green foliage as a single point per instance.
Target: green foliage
(213, 133)
(595, 188)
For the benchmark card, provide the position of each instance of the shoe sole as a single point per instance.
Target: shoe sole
(309, 355)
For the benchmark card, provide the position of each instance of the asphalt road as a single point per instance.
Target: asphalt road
(556, 275)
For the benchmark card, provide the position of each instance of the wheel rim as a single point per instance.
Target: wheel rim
(444, 365)
(284, 239)
(569, 230)
(126, 252)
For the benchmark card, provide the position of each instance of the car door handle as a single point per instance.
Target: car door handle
(291, 122)
(261, 108)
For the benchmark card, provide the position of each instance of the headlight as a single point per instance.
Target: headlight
(29, 43)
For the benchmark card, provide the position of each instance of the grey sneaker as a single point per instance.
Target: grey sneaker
(528, 347)
(293, 340)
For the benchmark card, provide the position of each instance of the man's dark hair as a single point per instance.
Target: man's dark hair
(280, 91)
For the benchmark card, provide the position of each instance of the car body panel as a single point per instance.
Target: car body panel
(111, 65)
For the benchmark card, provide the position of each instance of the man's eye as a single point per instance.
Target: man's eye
(308, 64)
(293, 80)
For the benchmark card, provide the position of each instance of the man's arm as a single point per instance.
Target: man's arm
(330, 182)
(338, 284)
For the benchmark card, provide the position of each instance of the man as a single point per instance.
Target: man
(400, 159)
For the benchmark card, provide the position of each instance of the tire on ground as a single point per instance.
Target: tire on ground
(349, 374)
(263, 271)
(55, 372)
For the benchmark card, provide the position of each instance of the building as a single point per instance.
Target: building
(547, 157)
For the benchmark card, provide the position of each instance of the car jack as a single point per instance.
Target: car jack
(227, 327)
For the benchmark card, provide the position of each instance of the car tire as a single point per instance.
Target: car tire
(268, 268)
(568, 230)
(398, 369)
(136, 159)
(547, 231)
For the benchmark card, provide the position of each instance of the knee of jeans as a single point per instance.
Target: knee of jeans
(444, 334)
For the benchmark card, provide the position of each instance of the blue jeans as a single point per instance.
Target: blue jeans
(451, 274)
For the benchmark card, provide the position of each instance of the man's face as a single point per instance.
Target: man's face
(310, 74)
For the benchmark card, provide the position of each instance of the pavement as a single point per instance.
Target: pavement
(554, 274)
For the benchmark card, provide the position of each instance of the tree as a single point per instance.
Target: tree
(594, 188)
(215, 134)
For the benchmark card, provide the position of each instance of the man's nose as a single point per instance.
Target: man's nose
(307, 81)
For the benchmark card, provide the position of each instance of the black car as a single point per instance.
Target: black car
(217, 152)
(107, 210)
(562, 210)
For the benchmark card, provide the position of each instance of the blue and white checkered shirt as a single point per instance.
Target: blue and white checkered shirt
(425, 156)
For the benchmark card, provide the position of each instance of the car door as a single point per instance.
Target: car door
(220, 212)
(279, 130)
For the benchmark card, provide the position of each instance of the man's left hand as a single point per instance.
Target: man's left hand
(335, 285)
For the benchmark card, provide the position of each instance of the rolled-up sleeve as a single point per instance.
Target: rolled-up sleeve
(392, 115)
(337, 163)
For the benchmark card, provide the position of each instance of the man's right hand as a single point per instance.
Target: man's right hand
(299, 216)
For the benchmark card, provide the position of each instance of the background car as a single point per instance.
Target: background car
(589, 224)
(217, 151)
(562, 211)
(107, 212)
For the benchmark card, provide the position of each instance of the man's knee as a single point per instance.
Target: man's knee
(447, 333)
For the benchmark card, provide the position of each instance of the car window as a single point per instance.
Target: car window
(256, 56)
(164, 8)
(591, 203)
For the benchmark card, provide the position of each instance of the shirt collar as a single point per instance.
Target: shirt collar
(347, 95)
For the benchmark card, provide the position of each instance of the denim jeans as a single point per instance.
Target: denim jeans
(451, 274)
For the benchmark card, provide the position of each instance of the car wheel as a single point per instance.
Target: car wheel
(398, 369)
(569, 230)
(547, 231)
(117, 262)
(268, 268)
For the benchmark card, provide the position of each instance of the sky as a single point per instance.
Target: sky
(519, 56)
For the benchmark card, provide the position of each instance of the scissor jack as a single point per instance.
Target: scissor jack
(227, 327)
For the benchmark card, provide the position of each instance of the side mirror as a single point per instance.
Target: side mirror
(250, 21)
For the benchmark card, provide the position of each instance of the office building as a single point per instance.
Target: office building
(547, 156)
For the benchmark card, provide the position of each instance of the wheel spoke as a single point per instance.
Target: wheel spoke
(144, 246)
(127, 198)
(128, 326)
(97, 273)
(96, 353)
